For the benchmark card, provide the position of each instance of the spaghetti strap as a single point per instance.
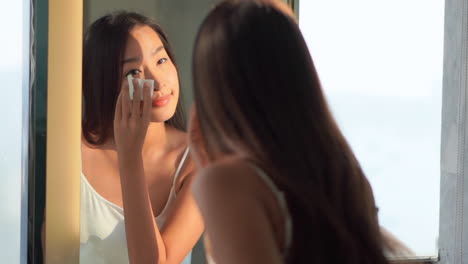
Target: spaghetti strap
(181, 165)
(281, 202)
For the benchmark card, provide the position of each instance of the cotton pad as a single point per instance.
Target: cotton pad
(141, 83)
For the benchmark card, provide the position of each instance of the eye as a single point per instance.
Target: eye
(161, 61)
(132, 72)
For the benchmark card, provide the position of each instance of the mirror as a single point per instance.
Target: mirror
(180, 20)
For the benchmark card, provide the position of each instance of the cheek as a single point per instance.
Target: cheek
(173, 82)
(175, 86)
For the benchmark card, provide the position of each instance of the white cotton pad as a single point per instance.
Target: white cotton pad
(141, 83)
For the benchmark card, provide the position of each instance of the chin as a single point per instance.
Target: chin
(158, 116)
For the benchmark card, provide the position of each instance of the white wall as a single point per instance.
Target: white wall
(93, 9)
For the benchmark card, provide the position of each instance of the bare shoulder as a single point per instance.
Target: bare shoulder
(228, 178)
(182, 158)
(187, 170)
(235, 204)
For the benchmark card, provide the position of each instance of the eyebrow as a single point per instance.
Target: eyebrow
(158, 49)
(135, 59)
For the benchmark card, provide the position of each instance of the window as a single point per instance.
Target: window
(14, 72)
(381, 65)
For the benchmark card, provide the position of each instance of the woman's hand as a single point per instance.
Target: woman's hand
(131, 120)
(196, 141)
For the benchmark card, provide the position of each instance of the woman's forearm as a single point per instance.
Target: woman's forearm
(144, 241)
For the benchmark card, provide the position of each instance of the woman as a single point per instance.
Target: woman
(134, 153)
(278, 181)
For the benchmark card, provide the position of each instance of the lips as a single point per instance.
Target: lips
(162, 100)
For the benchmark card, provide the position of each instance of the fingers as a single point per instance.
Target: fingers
(194, 126)
(193, 110)
(125, 100)
(191, 116)
(196, 141)
(136, 102)
(118, 107)
(147, 102)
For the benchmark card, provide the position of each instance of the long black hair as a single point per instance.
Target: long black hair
(257, 91)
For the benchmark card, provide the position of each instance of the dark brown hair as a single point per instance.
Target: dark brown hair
(103, 51)
(257, 92)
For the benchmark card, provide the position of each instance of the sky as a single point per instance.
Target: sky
(11, 26)
(380, 64)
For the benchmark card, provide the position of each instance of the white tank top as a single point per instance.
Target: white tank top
(102, 227)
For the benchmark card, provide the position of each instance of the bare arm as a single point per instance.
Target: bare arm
(145, 241)
(236, 218)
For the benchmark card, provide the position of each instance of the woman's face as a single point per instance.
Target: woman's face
(146, 58)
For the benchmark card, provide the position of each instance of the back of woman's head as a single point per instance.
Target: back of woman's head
(257, 92)
(103, 52)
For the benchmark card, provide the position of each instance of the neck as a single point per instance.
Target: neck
(156, 138)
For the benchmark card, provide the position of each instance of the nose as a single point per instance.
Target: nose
(152, 74)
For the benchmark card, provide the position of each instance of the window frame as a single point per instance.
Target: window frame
(453, 223)
(37, 129)
(54, 132)
(25, 144)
